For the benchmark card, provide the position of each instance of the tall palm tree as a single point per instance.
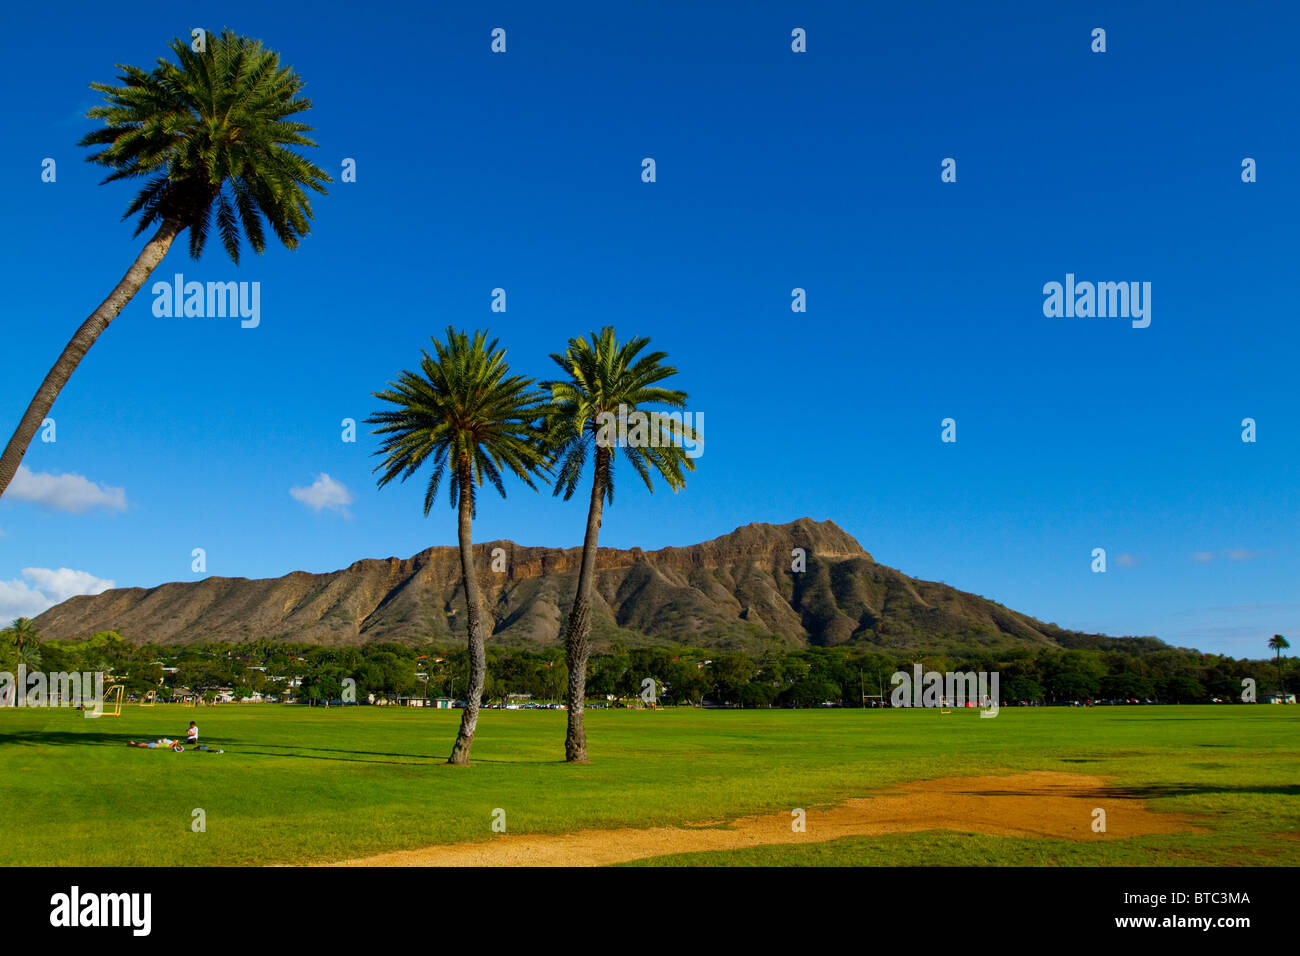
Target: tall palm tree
(210, 135)
(606, 383)
(1278, 644)
(471, 419)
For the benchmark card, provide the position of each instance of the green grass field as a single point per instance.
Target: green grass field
(299, 785)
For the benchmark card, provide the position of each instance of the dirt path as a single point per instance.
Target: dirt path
(1037, 804)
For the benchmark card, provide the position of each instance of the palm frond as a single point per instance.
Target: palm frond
(465, 409)
(605, 378)
(210, 133)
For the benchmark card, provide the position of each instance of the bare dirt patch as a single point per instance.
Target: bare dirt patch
(1041, 804)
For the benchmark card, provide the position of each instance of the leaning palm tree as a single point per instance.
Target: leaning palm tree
(592, 409)
(470, 419)
(211, 136)
(1278, 644)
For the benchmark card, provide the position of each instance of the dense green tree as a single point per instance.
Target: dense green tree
(1181, 689)
(728, 673)
(1022, 688)
(1126, 685)
(686, 682)
(1073, 685)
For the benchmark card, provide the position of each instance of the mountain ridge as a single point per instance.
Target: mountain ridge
(737, 590)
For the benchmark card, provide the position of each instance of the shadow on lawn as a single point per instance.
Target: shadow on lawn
(435, 756)
(313, 756)
(101, 739)
(1150, 791)
(1197, 789)
(341, 750)
(416, 760)
(64, 737)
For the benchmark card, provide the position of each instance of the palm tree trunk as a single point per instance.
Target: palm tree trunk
(152, 254)
(474, 622)
(576, 647)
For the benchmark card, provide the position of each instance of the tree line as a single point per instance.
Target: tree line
(809, 677)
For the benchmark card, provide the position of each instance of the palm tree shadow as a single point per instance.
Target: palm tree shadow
(61, 738)
(341, 750)
(1150, 791)
(381, 753)
(358, 759)
(1147, 792)
(65, 738)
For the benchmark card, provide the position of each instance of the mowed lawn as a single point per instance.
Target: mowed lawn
(299, 785)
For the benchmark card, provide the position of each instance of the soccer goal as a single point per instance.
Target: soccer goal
(112, 699)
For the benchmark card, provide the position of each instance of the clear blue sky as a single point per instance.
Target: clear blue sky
(775, 170)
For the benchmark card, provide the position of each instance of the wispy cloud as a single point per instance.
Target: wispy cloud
(69, 492)
(44, 588)
(1235, 554)
(325, 493)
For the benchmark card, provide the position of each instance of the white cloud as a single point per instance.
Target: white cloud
(43, 589)
(325, 492)
(18, 600)
(1236, 554)
(69, 492)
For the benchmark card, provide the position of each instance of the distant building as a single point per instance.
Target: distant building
(441, 703)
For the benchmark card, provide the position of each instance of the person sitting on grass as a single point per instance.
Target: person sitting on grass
(192, 740)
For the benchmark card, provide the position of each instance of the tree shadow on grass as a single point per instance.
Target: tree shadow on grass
(65, 737)
(389, 763)
(1196, 789)
(437, 757)
(1147, 792)
(421, 760)
(102, 739)
(1124, 754)
(343, 750)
